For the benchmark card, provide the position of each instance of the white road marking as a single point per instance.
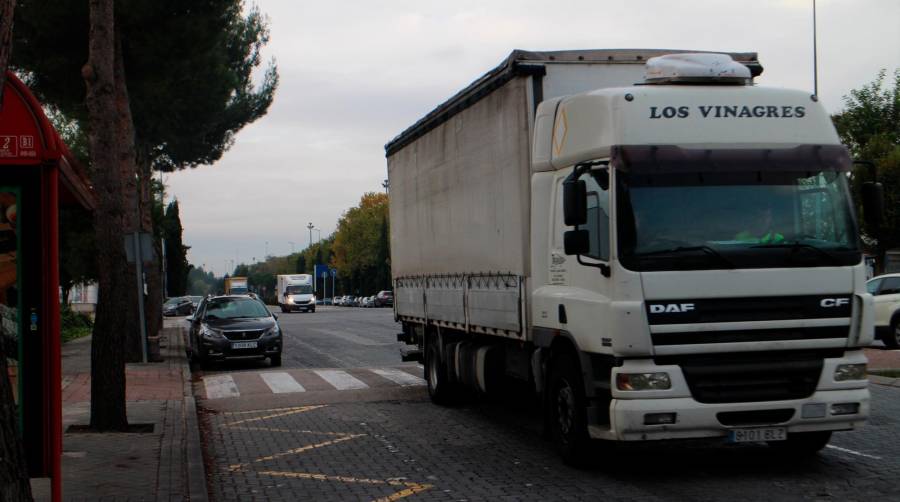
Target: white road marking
(220, 386)
(341, 380)
(281, 382)
(845, 450)
(399, 377)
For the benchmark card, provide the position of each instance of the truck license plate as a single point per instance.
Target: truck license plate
(243, 345)
(757, 435)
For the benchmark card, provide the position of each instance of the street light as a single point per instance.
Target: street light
(310, 226)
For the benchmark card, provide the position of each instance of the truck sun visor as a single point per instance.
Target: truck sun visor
(650, 159)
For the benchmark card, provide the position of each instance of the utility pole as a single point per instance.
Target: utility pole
(815, 55)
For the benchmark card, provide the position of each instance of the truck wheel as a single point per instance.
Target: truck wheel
(803, 443)
(283, 310)
(568, 420)
(439, 388)
(892, 338)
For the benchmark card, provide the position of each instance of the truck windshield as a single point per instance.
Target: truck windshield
(735, 219)
(298, 290)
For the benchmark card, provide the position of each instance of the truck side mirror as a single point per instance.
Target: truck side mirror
(576, 242)
(873, 202)
(574, 202)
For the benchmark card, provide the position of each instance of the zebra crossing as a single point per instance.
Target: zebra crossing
(232, 385)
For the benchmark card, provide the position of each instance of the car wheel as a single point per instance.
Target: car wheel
(892, 339)
(802, 444)
(275, 361)
(568, 419)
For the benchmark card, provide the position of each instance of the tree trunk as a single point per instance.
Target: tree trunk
(154, 300)
(107, 354)
(131, 217)
(7, 8)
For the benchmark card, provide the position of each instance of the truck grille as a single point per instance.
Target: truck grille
(243, 335)
(751, 377)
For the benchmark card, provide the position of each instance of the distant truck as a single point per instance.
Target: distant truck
(236, 286)
(663, 249)
(295, 292)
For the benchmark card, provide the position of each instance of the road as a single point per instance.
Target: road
(381, 438)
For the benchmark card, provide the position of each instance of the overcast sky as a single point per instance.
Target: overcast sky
(356, 73)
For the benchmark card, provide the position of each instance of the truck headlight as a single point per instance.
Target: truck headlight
(643, 381)
(289, 299)
(846, 372)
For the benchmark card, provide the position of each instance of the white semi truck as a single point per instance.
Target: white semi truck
(295, 292)
(662, 248)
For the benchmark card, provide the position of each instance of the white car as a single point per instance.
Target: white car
(886, 289)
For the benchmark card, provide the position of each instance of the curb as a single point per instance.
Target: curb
(195, 468)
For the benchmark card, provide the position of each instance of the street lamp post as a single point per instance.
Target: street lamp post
(310, 226)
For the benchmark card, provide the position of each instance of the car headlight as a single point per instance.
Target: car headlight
(212, 334)
(846, 372)
(273, 331)
(643, 381)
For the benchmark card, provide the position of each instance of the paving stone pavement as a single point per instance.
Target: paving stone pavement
(414, 450)
(117, 467)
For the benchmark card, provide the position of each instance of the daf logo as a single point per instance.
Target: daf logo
(678, 308)
(834, 302)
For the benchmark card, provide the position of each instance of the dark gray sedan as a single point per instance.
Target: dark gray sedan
(234, 326)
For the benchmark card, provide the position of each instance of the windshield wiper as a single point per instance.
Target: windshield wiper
(709, 251)
(796, 246)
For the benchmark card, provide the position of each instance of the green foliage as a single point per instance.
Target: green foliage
(194, 59)
(74, 324)
(77, 248)
(870, 127)
(201, 282)
(177, 266)
(361, 253)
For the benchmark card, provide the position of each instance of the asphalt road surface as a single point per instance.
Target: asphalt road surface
(343, 419)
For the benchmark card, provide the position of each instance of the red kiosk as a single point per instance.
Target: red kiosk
(37, 175)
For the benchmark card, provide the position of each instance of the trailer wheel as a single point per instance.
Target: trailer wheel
(439, 387)
(568, 419)
(803, 443)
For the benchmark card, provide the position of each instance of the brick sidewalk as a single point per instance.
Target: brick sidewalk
(882, 359)
(148, 467)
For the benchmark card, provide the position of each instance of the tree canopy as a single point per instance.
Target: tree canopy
(870, 128)
(361, 253)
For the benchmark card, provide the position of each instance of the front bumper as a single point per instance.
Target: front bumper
(300, 306)
(699, 420)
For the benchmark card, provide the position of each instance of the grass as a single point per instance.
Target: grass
(74, 325)
(886, 373)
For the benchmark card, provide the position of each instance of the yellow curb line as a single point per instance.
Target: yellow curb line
(271, 429)
(294, 451)
(411, 488)
(290, 411)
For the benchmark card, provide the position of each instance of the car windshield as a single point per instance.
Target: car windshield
(235, 308)
(172, 302)
(299, 290)
(761, 219)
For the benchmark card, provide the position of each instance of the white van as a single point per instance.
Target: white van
(295, 292)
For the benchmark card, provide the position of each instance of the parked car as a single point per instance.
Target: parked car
(234, 326)
(886, 289)
(195, 302)
(350, 301)
(384, 299)
(179, 305)
(368, 302)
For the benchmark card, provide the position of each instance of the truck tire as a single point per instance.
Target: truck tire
(802, 444)
(892, 338)
(440, 390)
(568, 416)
